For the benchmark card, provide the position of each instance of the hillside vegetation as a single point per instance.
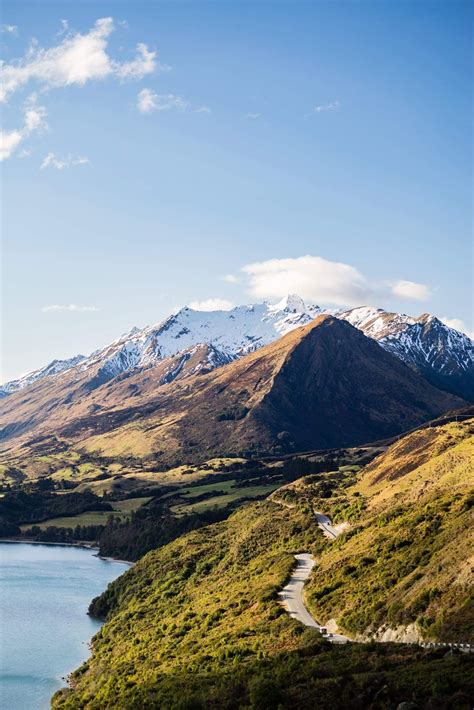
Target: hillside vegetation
(407, 558)
(197, 624)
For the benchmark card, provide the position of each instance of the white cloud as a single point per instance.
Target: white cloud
(143, 64)
(311, 277)
(77, 59)
(10, 29)
(51, 161)
(332, 106)
(72, 308)
(254, 115)
(202, 109)
(34, 121)
(458, 324)
(148, 101)
(325, 282)
(230, 279)
(211, 304)
(411, 290)
(9, 142)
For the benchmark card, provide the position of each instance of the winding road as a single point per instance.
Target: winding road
(291, 596)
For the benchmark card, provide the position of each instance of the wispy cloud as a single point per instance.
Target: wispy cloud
(331, 106)
(64, 28)
(10, 29)
(212, 304)
(34, 121)
(253, 116)
(76, 60)
(71, 308)
(148, 101)
(230, 278)
(202, 109)
(51, 161)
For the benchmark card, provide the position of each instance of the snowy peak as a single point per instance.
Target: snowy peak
(291, 303)
(232, 333)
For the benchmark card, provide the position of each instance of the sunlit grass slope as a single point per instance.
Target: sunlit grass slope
(408, 557)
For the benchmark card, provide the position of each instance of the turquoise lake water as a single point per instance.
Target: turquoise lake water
(45, 591)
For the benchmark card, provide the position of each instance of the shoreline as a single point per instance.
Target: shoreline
(84, 545)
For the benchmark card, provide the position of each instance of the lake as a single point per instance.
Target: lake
(45, 591)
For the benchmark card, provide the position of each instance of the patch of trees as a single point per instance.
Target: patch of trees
(20, 507)
(53, 533)
(149, 528)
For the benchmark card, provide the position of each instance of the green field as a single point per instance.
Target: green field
(226, 493)
(121, 510)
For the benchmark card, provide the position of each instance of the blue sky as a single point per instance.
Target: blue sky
(230, 151)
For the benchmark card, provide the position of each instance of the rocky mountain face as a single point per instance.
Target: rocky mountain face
(443, 355)
(322, 385)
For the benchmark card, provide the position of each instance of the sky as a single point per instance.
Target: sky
(156, 155)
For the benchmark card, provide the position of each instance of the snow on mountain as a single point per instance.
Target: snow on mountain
(229, 335)
(442, 354)
(54, 368)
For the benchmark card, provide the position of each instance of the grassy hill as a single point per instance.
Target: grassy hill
(197, 624)
(407, 558)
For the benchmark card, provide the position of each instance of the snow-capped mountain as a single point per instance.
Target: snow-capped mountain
(230, 334)
(54, 368)
(443, 355)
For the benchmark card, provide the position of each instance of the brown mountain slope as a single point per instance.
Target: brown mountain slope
(49, 404)
(323, 385)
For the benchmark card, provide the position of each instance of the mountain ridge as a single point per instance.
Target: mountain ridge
(324, 384)
(443, 355)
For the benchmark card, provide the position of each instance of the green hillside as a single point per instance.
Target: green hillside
(197, 624)
(407, 557)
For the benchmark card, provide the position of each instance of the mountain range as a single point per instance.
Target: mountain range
(323, 384)
(210, 339)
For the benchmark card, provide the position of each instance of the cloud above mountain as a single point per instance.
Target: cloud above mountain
(69, 308)
(312, 277)
(411, 290)
(320, 280)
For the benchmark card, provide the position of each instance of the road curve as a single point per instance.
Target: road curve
(291, 596)
(330, 530)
